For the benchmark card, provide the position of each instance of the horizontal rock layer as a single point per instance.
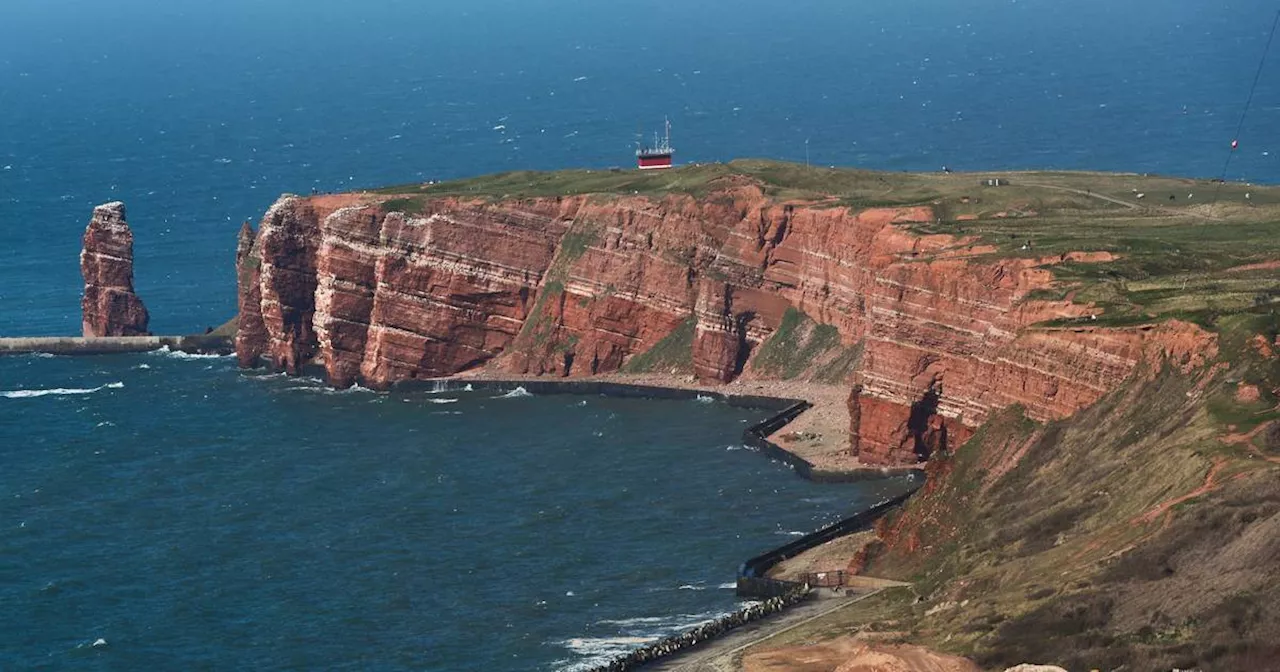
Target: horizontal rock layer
(580, 285)
(110, 307)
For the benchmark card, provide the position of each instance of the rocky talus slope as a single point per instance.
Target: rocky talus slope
(110, 307)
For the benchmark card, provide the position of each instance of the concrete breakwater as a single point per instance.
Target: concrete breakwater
(199, 344)
(705, 632)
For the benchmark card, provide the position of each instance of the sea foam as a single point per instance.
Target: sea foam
(515, 394)
(164, 351)
(58, 391)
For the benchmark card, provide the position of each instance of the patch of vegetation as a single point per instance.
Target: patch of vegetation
(410, 205)
(673, 352)
(576, 241)
(794, 346)
(227, 329)
(539, 328)
(841, 367)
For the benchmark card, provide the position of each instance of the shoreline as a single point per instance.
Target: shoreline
(773, 596)
(816, 439)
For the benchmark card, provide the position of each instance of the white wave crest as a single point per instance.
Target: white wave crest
(596, 651)
(443, 401)
(58, 391)
(318, 387)
(165, 351)
(701, 399)
(517, 393)
(632, 633)
(728, 586)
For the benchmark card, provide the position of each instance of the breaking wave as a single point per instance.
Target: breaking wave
(515, 394)
(165, 351)
(627, 634)
(702, 399)
(443, 401)
(58, 391)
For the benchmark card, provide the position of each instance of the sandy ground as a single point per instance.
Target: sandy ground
(832, 556)
(849, 654)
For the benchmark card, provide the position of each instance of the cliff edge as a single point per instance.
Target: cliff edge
(728, 276)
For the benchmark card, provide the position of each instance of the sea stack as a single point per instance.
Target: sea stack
(110, 307)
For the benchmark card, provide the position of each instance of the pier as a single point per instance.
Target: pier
(109, 345)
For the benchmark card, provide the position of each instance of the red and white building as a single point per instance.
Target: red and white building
(658, 155)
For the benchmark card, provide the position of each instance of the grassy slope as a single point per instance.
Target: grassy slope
(1062, 560)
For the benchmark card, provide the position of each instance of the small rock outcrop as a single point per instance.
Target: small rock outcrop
(716, 344)
(110, 307)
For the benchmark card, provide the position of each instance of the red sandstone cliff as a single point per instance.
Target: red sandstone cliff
(251, 333)
(579, 285)
(110, 307)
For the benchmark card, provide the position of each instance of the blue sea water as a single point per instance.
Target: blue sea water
(194, 517)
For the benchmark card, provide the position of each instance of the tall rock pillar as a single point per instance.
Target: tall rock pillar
(110, 307)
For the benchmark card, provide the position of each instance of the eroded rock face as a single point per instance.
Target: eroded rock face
(110, 307)
(716, 342)
(251, 333)
(577, 286)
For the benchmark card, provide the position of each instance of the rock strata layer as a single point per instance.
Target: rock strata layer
(110, 307)
(580, 285)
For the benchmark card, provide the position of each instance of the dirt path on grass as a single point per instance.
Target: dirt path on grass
(1210, 484)
(1119, 201)
(1246, 439)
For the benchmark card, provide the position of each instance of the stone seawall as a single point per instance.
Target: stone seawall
(207, 345)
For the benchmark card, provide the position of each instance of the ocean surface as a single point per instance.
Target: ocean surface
(194, 517)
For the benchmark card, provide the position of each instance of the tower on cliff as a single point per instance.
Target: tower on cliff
(658, 155)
